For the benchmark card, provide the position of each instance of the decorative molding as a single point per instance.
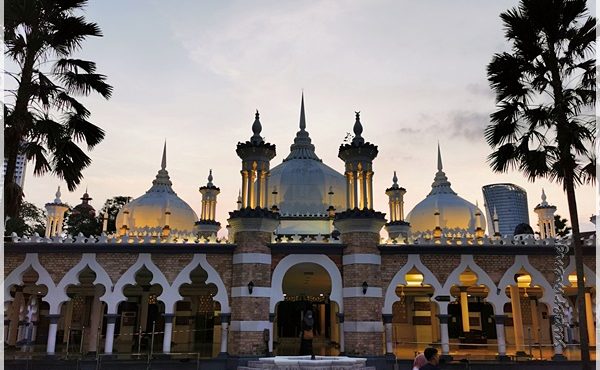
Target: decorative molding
(361, 258)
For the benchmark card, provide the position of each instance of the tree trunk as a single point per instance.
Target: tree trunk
(578, 248)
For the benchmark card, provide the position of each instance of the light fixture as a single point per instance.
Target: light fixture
(526, 295)
(365, 286)
(250, 287)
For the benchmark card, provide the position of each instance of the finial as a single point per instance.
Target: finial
(210, 177)
(395, 179)
(57, 199)
(302, 116)
(439, 164)
(256, 129)
(163, 164)
(358, 129)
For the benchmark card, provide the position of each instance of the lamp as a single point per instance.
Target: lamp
(365, 286)
(250, 287)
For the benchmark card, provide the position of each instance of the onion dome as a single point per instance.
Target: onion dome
(523, 229)
(85, 208)
(159, 207)
(455, 213)
(303, 181)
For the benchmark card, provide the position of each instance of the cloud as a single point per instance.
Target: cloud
(457, 124)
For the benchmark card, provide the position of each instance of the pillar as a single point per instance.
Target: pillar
(13, 325)
(558, 347)
(589, 316)
(67, 320)
(95, 318)
(111, 319)
(535, 319)
(52, 329)
(389, 341)
(323, 330)
(271, 328)
(225, 319)
(342, 339)
(168, 332)
(464, 309)
(515, 301)
(445, 338)
(500, 320)
(144, 307)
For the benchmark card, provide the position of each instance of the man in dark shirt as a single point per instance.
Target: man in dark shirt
(431, 354)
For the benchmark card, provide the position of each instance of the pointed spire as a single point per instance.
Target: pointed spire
(440, 167)
(256, 129)
(57, 199)
(163, 163)
(544, 202)
(210, 178)
(395, 181)
(302, 116)
(358, 129)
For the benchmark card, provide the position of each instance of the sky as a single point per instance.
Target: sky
(193, 73)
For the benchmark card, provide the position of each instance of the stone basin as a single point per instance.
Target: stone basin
(305, 363)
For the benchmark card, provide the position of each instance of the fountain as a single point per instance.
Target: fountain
(306, 363)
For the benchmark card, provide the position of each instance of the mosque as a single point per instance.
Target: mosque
(303, 236)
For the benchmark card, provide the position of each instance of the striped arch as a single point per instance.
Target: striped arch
(71, 277)
(522, 262)
(44, 278)
(213, 278)
(116, 296)
(414, 260)
(466, 261)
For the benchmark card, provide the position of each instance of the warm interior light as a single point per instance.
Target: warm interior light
(414, 279)
(524, 281)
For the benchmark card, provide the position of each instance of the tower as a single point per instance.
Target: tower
(545, 214)
(397, 227)
(207, 225)
(359, 228)
(55, 215)
(509, 201)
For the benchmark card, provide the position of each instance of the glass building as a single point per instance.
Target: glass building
(511, 206)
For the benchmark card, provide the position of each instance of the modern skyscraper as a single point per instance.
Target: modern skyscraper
(510, 203)
(19, 170)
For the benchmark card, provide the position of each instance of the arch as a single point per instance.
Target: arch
(588, 273)
(71, 277)
(400, 278)
(116, 296)
(466, 261)
(213, 277)
(522, 262)
(293, 259)
(44, 278)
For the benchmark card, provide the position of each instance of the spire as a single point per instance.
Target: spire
(256, 129)
(440, 185)
(163, 163)
(57, 199)
(395, 181)
(358, 129)
(210, 178)
(162, 182)
(544, 202)
(302, 148)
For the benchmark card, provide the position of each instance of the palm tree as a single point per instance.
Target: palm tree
(546, 94)
(43, 119)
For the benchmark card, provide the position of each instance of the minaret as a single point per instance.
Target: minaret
(496, 222)
(251, 229)
(545, 214)
(207, 225)
(359, 228)
(479, 232)
(55, 214)
(397, 226)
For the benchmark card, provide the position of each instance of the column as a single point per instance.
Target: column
(251, 191)
(500, 319)
(323, 330)
(535, 319)
(515, 301)
(95, 318)
(22, 331)
(365, 200)
(34, 328)
(67, 320)
(370, 189)
(168, 332)
(266, 191)
(435, 328)
(341, 323)
(558, 348)
(349, 190)
(13, 326)
(259, 188)
(334, 335)
(589, 318)
(225, 319)
(389, 340)
(464, 308)
(144, 307)
(111, 319)
(445, 338)
(245, 189)
(270, 344)
(52, 329)
(355, 190)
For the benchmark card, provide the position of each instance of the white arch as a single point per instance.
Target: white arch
(71, 277)
(116, 296)
(590, 275)
(213, 277)
(44, 278)
(466, 261)
(400, 278)
(522, 262)
(293, 259)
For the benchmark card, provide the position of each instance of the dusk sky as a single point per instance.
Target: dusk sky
(193, 73)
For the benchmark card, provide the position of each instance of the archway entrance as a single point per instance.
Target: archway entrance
(306, 286)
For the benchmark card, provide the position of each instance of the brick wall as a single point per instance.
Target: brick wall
(259, 273)
(364, 343)
(58, 265)
(390, 264)
(545, 265)
(441, 265)
(246, 343)
(358, 242)
(12, 261)
(116, 264)
(252, 242)
(495, 266)
(171, 264)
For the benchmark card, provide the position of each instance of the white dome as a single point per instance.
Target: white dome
(455, 212)
(149, 210)
(303, 181)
